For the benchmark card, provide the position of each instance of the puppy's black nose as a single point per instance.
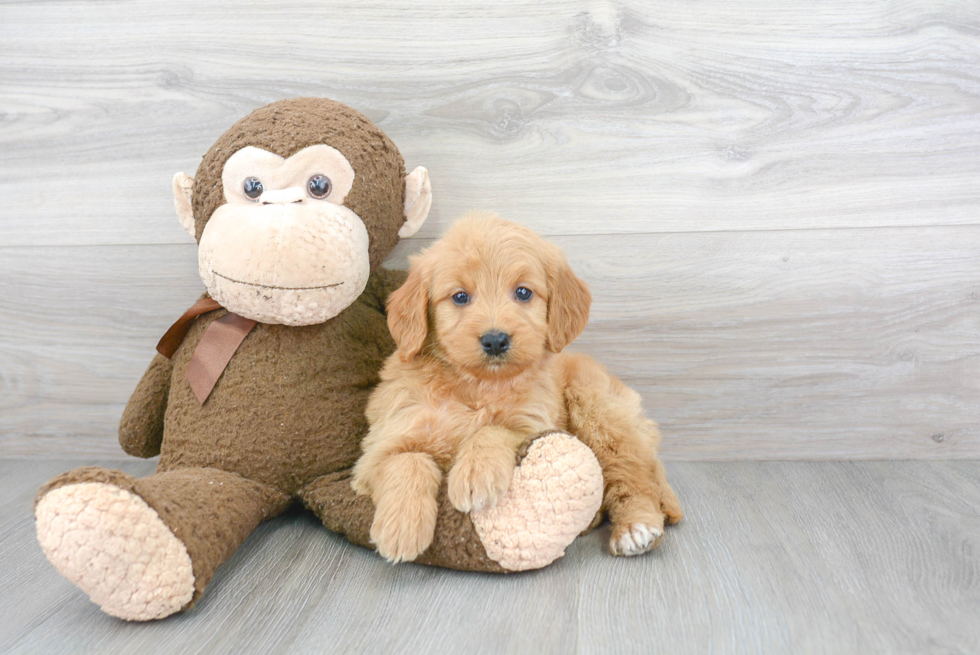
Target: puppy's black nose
(495, 343)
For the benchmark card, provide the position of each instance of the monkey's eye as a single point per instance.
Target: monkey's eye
(523, 294)
(461, 298)
(253, 188)
(319, 186)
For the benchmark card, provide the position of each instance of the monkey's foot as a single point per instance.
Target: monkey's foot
(554, 495)
(115, 548)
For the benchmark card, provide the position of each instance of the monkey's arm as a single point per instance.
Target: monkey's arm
(141, 427)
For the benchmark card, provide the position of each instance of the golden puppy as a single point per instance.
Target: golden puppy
(479, 324)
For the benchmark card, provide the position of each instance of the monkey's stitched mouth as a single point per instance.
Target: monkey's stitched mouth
(270, 286)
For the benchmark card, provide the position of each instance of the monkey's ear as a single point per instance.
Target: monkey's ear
(183, 188)
(408, 314)
(568, 304)
(418, 200)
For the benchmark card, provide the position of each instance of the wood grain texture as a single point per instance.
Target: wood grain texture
(805, 557)
(574, 116)
(758, 345)
(776, 205)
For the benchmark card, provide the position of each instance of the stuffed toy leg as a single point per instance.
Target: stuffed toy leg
(145, 548)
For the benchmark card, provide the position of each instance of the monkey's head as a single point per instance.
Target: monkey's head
(294, 206)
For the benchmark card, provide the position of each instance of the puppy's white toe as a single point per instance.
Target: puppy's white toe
(638, 539)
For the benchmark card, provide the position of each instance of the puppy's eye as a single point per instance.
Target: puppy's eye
(461, 297)
(523, 294)
(253, 188)
(319, 186)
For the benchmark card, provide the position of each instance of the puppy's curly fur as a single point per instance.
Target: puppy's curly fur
(447, 402)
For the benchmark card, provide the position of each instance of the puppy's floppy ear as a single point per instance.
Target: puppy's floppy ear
(569, 301)
(408, 314)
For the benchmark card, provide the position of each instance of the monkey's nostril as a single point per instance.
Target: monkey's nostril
(495, 343)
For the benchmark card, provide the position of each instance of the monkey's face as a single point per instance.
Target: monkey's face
(284, 248)
(294, 206)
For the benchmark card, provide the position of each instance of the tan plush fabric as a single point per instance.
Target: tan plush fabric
(418, 201)
(280, 174)
(553, 496)
(325, 271)
(210, 511)
(183, 188)
(285, 256)
(111, 544)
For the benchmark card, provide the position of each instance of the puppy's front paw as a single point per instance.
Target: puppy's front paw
(634, 539)
(477, 483)
(402, 531)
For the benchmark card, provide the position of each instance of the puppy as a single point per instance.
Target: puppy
(479, 325)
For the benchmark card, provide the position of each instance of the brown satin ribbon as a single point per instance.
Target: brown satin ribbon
(214, 350)
(171, 340)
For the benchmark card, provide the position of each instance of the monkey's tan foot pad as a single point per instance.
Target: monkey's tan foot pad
(554, 495)
(115, 548)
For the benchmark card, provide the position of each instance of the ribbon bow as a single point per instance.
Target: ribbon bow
(215, 349)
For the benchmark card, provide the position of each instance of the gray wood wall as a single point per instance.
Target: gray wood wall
(777, 204)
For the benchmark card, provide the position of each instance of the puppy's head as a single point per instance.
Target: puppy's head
(490, 298)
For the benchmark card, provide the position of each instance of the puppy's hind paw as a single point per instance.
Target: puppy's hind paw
(634, 539)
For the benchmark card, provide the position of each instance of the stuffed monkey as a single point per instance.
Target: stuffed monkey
(257, 397)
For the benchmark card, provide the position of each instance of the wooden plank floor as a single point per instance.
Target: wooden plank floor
(788, 557)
